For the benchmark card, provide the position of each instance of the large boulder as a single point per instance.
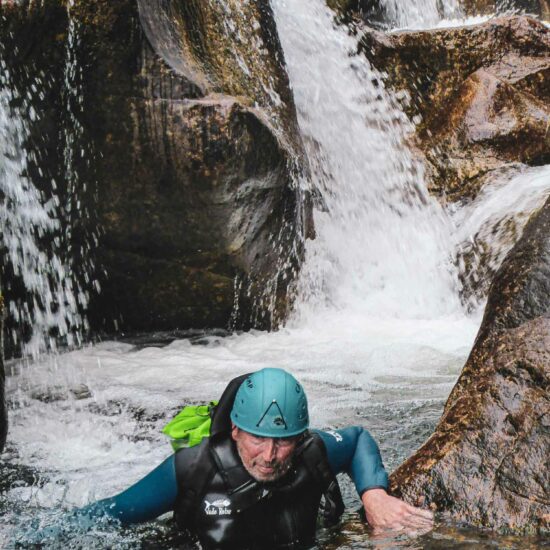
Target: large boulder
(487, 462)
(479, 94)
(169, 126)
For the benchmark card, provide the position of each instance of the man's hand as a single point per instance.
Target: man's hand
(387, 513)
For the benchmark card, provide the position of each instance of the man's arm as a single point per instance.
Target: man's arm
(354, 451)
(150, 497)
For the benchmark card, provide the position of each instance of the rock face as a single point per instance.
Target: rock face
(487, 462)
(3, 405)
(481, 92)
(172, 125)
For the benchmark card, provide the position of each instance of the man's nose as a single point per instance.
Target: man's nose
(270, 449)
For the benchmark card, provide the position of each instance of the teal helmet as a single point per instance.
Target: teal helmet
(271, 403)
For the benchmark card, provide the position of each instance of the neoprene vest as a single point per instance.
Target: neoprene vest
(222, 506)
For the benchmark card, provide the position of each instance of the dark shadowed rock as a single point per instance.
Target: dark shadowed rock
(487, 462)
(179, 140)
(481, 94)
(3, 405)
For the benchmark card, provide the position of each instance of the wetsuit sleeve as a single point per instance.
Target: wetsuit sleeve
(150, 497)
(354, 451)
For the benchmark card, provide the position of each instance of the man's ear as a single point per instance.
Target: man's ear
(234, 431)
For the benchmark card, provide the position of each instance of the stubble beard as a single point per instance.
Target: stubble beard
(279, 469)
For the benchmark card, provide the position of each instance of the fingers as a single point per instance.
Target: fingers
(420, 512)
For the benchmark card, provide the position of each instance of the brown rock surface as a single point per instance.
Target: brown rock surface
(189, 173)
(487, 462)
(481, 92)
(489, 123)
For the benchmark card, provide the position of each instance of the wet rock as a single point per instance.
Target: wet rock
(480, 95)
(179, 140)
(61, 393)
(16, 475)
(488, 7)
(520, 290)
(372, 12)
(487, 462)
(490, 124)
(375, 13)
(3, 404)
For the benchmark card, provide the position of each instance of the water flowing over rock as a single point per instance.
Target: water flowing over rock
(480, 94)
(388, 14)
(187, 155)
(487, 462)
(477, 7)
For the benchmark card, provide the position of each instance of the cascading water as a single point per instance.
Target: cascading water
(37, 228)
(419, 13)
(383, 244)
(378, 336)
(488, 227)
(29, 220)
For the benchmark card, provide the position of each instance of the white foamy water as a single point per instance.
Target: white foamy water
(488, 227)
(419, 14)
(30, 223)
(382, 246)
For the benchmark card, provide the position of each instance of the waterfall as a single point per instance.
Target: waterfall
(28, 220)
(488, 226)
(419, 13)
(37, 227)
(383, 245)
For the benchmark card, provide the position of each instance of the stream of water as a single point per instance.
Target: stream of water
(378, 337)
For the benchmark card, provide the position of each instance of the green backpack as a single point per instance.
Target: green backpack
(190, 426)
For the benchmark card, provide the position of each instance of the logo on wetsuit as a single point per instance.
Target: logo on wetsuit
(219, 507)
(336, 436)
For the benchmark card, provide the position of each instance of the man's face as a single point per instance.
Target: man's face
(264, 458)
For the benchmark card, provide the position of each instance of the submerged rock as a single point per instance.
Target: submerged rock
(487, 462)
(170, 126)
(480, 94)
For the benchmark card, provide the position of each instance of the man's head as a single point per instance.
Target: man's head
(268, 417)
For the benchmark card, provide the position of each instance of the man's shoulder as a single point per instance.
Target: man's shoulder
(192, 461)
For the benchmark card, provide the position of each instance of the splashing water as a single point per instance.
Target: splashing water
(37, 229)
(488, 227)
(378, 336)
(382, 246)
(27, 221)
(419, 13)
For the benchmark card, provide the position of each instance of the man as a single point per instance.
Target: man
(258, 480)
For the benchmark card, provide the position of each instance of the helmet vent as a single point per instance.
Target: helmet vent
(249, 383)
